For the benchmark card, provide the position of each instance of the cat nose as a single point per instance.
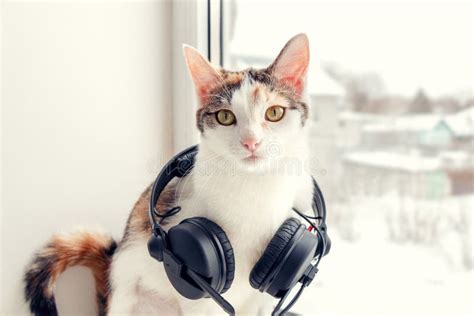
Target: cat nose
(250, 144)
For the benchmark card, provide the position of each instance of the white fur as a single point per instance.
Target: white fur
(249, 200)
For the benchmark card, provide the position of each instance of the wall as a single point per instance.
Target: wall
(85, 120)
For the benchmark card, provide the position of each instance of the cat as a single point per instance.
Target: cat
(253, 133)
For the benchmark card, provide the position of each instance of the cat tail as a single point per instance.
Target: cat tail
(86, 248)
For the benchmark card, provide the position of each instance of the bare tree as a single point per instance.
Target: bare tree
(360, 88)
(420, 103)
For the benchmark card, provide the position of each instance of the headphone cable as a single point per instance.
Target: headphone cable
(307, 218)
(278, 312)
(168, 213)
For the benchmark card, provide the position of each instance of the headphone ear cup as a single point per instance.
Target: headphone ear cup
(328, 245)
(273, 251)
(227, 249)
(203, 247)
(156, 246)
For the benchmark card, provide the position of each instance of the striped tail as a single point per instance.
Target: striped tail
(91, 249)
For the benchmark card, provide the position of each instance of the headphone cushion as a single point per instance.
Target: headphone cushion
(226, 247)
(271, 254)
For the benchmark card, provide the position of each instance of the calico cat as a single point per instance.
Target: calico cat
(253, 134)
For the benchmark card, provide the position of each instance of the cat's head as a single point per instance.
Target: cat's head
(253, 117)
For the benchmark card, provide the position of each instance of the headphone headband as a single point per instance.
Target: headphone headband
(182, 163)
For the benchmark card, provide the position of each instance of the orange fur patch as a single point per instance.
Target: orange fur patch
(82, 248)
(87, 248)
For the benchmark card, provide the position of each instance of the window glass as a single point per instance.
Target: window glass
(392, 136)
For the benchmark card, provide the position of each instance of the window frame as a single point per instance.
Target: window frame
(189, 25)
(199, 24)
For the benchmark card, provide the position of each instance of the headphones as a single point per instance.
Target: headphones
(199, 260)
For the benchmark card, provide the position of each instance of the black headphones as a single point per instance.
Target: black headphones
(199, 259)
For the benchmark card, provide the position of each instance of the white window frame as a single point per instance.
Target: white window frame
(199, 24)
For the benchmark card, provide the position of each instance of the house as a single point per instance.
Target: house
(375, 173)
(462, 125)
(351, 127)
(421, 130)
(459, 167)
(425, 155)
(426, 131)
(379, 172)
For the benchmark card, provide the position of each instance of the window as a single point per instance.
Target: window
(391, 84)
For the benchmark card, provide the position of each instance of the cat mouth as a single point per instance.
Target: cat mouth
(253, 158)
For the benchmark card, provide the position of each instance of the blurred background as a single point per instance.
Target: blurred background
(95, 98)
(391, 88)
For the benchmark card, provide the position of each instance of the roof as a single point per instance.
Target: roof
(360, 116)
(462, 122)
(395, 161)
(411, 123)
(457, 159)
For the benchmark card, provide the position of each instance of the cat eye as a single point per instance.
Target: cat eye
(225, 117)
(274, 113)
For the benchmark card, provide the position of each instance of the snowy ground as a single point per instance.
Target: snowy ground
(373, 275)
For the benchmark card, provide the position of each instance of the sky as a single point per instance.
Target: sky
(411, 45)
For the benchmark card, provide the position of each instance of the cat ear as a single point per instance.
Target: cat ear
(205, 76)
(291, 65)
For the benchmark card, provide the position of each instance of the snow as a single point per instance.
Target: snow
(392, 160)
(359, 116)
(372, 275)
(412, 123)
(462, 123)
(456, 159)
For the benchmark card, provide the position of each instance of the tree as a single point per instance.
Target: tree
(361, 88)
(420, 103)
